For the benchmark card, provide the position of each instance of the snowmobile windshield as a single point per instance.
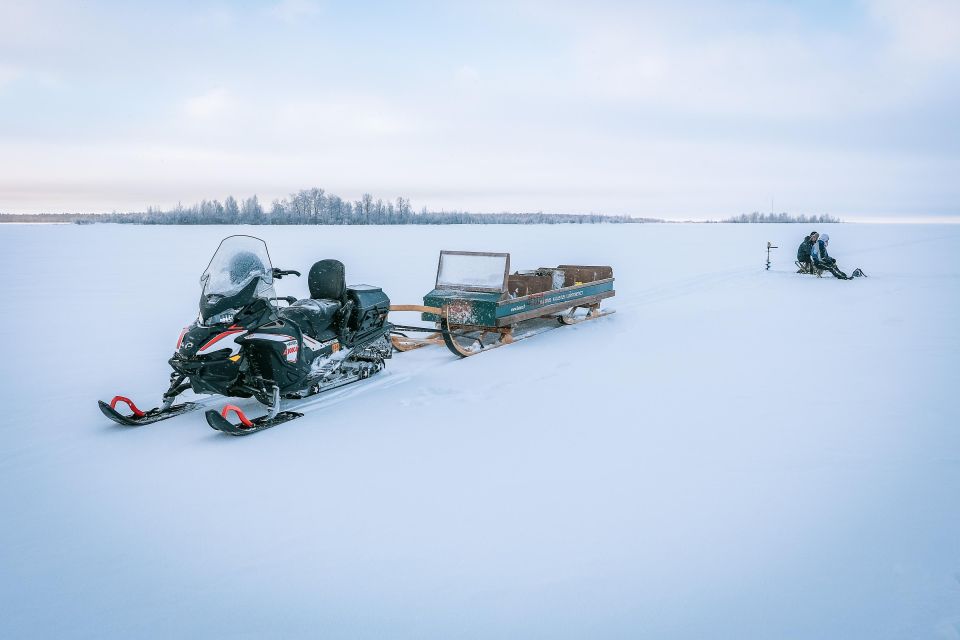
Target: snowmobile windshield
(239, 272)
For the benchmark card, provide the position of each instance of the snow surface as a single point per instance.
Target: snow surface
(734, 454)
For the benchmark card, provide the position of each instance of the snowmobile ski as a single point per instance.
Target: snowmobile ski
(143, 417)
(218, 421)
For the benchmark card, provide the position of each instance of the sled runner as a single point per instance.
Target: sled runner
(477, 304)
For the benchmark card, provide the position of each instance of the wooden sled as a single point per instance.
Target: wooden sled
(477, 305)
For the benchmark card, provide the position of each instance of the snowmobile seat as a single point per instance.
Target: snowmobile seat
(327, 281)
(312, 316)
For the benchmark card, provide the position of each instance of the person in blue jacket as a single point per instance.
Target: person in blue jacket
(821, 258)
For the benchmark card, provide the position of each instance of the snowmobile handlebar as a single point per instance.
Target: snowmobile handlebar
(279, 273)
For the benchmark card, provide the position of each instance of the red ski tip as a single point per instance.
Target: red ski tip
(129, 402)
(243, 418)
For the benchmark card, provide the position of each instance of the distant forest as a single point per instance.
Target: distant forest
(756, 216)
(316, 206)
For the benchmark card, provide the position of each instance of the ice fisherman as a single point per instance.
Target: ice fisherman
(821, 258)
(812, 254)
(805, 249)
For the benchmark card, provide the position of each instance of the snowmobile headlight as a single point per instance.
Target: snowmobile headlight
(224, 317)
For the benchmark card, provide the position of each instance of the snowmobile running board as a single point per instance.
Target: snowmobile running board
(475, 309)
(247, 426)
(142, 417)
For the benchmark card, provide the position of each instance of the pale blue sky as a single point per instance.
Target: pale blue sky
(679, 110)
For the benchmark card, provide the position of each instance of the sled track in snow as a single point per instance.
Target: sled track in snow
(312, 406)
(684, 287)
(383, 380)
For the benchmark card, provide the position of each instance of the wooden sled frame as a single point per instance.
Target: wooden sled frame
(402, 342)
(481, 309)
(469, 340)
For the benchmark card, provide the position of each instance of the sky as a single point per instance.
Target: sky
(679, 110)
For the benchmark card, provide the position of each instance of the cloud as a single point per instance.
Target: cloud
(212, 104)
(293, 11)
(8, 74)
(277, 117)
(466, 78)
(922, 29)
(644, 107)
(23, 22)
(341, 117)
(215, 17)
(775, 61)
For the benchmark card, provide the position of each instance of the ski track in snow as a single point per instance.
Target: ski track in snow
(734, 453)
(685, 287)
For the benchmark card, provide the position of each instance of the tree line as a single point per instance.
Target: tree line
(316, 206)
(756, 216)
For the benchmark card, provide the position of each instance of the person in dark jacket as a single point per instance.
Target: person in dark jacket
(804, 252)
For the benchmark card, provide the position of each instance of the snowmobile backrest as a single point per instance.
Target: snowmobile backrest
(327, 281)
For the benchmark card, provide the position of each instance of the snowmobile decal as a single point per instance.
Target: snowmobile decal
(291, 350)
(275, 337)
(232, 345)
(314, 345)
(180, 339)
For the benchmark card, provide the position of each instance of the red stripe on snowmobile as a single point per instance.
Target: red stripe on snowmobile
(180, 339)
(133, 407)
(219, 337)
(243, 418)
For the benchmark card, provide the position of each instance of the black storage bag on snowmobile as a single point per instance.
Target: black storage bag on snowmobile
(370, 307)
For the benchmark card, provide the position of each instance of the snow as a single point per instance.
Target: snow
(735, 453)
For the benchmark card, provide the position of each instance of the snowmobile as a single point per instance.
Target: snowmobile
(245, 343)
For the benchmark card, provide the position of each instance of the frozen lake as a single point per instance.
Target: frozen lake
(735, 453)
